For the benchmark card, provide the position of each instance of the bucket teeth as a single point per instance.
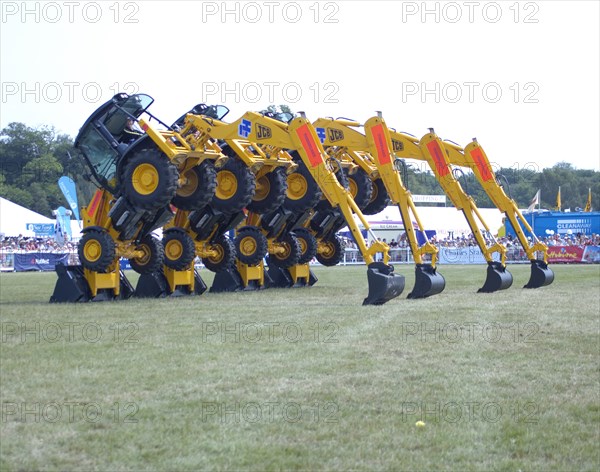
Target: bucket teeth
(498, 278)
(384, 285)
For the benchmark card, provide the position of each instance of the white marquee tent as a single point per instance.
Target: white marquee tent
(15, 218)
(446, 221)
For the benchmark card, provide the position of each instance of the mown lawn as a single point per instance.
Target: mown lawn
(305, 378)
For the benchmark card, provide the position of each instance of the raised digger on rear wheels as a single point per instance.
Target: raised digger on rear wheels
(139, 172)
(273, 165)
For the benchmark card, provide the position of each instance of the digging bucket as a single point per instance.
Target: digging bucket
(541, 275)
(498, 278)
(427, 282)
(384, 285)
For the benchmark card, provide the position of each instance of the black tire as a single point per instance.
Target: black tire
(96, 250)
(235, 187)
(200, 187)
(334, 252)
(379, 198)
(303, 193)
(153, 257)
(291, 256)
(361, 187)
(270, 192)
(226, 255)
(149, 180)
(308, 245)
(179, 249)
(250, 245)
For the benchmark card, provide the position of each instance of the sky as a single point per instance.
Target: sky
(521, 77)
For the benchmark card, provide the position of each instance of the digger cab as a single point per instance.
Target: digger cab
(217, 112)
(104, 138)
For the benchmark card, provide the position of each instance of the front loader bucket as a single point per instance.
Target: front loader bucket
(427, 282)
(71, 286)
(498, 278)
(541, 275)
(383, 284)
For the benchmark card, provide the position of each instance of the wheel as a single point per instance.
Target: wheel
(179, 249)
(291, 254)
(250, 245)
(308, 245)
(235, 187)
(270, 192)
(303, 193)
(96, 251)
(360, 186)
(153, 256)
(332, 252)
(225, 257)
(149, 180)
(379, 198)
(199, 189)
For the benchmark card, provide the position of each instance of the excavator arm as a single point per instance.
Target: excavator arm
(474, 157)
(433, 150)
(372, 153)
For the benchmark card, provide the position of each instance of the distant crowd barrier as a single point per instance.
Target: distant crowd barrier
(45, 261)
(21, 261)
(473, 255)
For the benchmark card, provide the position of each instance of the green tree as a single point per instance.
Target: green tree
(32, 160)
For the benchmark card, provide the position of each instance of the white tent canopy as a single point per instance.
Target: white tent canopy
(445, 221)
(15, 218)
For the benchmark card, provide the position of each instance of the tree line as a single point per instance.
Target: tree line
(33, 159)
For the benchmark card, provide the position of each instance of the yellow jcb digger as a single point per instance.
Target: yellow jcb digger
(297, 142)
(139, 171)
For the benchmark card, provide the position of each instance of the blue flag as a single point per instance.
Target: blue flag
(62, 231)
(67, 186)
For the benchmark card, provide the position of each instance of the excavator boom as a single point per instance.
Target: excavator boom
(372, 153)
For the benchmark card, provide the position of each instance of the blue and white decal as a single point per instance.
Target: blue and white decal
(321, 134)
(245, 128)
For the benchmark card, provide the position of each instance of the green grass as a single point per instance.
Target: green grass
(329, 385)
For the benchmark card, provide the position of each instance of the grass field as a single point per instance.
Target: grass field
(305, 378)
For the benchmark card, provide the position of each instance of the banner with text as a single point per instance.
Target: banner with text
(463, 255)
(38, 260)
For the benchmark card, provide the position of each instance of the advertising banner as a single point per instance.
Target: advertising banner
(41, 229)
(591, 254)
(463, 255)
(565, 254)
(38, 260)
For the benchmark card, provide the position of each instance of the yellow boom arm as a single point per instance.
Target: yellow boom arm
(474, 157)
(301, 136)
(371, 152)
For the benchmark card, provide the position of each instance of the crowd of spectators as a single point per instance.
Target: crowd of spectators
(32, 244)
(468, 240)
(23, 243)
